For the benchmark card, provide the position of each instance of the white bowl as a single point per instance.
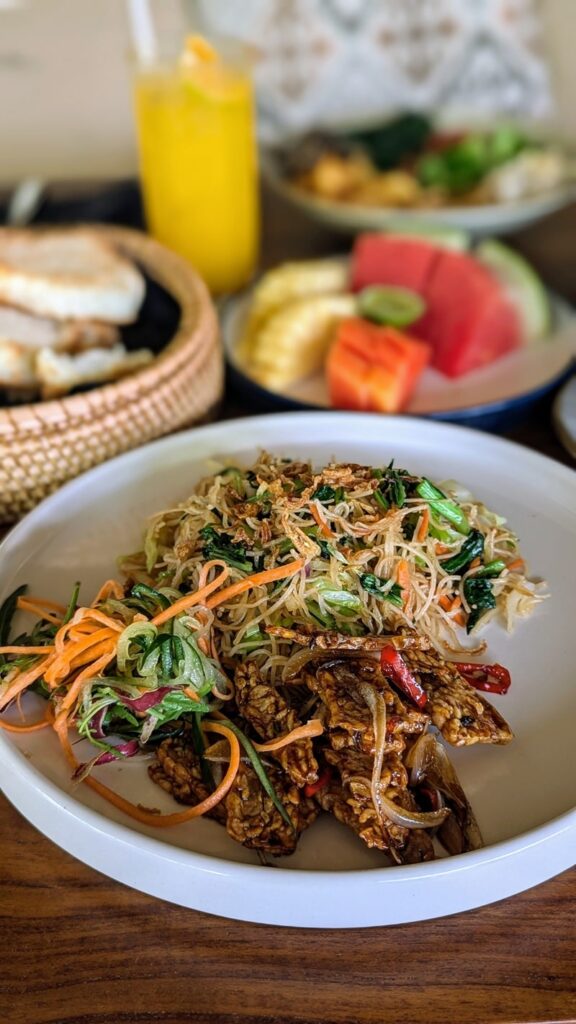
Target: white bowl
(480, 220)
(523, 793)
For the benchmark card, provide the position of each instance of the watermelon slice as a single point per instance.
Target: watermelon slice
(470, 321)
(392, 260)
(521, 282)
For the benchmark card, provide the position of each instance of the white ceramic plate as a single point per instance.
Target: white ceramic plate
(489, 393)
(523, 793)
(481, 220)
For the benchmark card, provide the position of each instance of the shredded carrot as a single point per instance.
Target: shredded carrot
(460, 619)
(90, 671)
(93, 615)
(190, 693)
(27, 605)
(312, 728)
(105, 646)
(111, 588)
(475, 563)
(142, 814)
(40, 602)
(451, 604)
(517, 564)
(213, 563)
(80, 625)
(268, 576)
(423, 527)
(191, 599)
(403, 578)
(26, 650)
(33, 727)
(23, 680)
(441, 549)
(73, 655)
(320, 521)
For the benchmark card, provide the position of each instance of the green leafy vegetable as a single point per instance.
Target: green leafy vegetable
(174, 705)
(390, 143)
(491, 569)
(326, 494)
(72, 604)
(382, 588)
(480, 597)
(220, 545)
(391, 490)
(472, 547)
(342, 600)
(149, 595)
(381, 500)
(7, 612)
(443, 506)
(253, 638)
(324, 618)
(462, 165)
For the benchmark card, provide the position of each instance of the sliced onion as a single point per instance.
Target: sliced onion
(128, 749)
(296, 662)
(428, 760)
(377, 705)
(148, 700)
(412, 819)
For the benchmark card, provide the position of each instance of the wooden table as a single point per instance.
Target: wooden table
(78, 948)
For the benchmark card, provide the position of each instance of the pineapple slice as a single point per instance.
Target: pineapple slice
(293, 281)
(294, 342)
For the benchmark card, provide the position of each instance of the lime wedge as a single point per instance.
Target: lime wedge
(522, 284)
(396, 307)
(448, 238)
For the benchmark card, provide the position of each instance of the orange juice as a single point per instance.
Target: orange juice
(198, 163)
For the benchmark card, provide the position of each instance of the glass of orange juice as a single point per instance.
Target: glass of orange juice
(198, 164)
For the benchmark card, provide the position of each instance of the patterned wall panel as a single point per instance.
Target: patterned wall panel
(328, 61)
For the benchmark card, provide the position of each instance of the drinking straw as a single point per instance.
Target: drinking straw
(143, 34)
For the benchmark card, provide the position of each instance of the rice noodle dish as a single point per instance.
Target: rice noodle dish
(290, 641)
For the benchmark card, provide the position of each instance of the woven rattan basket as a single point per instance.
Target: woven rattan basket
(46, 443)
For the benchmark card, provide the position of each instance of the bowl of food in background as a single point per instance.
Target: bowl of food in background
(484, 180)
(107, 340)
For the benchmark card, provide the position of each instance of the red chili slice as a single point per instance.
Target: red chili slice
(490, 678)
(393, 665)
(314, 787)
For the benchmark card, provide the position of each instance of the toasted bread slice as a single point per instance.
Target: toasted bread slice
(36, 332)
(64, 274)
(59, 373)
(17, 366)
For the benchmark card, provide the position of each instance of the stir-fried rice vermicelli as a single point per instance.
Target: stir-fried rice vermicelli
(378, 555)
(286, 643)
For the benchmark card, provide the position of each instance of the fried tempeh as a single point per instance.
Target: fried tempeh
(265, 709)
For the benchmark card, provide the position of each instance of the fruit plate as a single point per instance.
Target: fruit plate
(480, 220)
(490, 398)
(523, 793)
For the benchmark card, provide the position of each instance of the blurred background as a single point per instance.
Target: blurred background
(65, 68)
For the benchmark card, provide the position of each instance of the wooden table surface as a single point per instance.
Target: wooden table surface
(77, 948)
